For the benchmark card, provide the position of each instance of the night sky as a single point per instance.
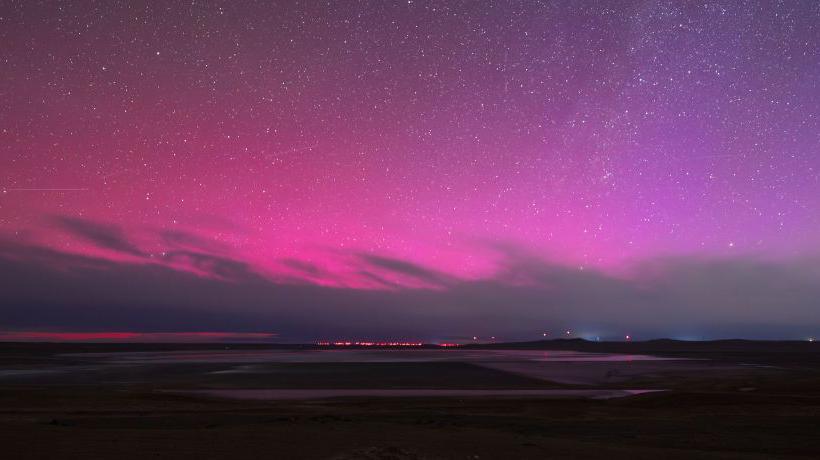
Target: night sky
(416, 169)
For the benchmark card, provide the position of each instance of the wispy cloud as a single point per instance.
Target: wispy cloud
(48, 289)
(102, 235)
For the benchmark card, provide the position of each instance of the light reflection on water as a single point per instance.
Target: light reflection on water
(280, 394)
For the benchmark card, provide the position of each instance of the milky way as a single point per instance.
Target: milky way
(413, 144)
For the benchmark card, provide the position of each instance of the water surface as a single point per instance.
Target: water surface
(363, 356)
(311, 394)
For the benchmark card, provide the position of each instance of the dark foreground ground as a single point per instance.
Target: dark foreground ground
(720, 411)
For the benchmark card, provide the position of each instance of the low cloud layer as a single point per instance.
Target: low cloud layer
(194, 287)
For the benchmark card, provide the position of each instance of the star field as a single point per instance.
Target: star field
(594, 134)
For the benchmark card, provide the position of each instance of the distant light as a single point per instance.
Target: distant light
(545, 334)
(350, 343)
(569, 332)
(628, 338)
(475, 338)
(811, 339)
